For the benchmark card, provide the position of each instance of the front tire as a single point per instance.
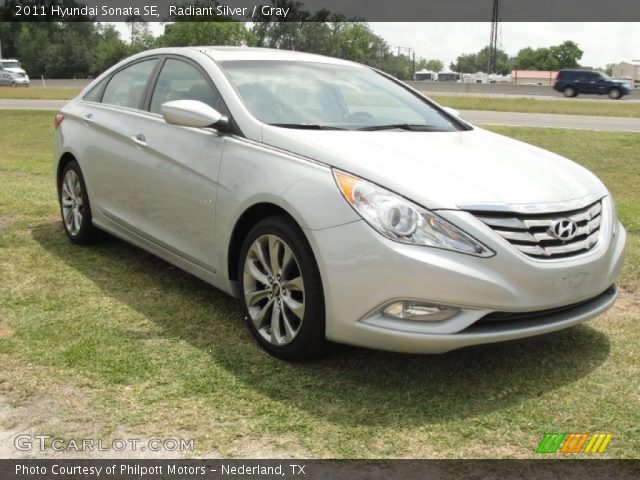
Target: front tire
(615, 94)
(75, 208)
(282, 291)
(570, 92)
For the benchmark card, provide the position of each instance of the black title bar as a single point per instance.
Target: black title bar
(317, 469)
(320, 10)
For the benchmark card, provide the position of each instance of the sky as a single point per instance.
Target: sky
(602, 43)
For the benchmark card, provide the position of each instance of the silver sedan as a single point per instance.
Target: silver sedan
(336, 202)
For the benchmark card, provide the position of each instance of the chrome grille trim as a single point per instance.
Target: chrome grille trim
(531, 234)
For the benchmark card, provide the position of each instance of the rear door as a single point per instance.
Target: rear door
(110, 116)
(171, 178)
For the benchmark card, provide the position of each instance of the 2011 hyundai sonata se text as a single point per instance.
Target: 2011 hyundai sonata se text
(336, 202)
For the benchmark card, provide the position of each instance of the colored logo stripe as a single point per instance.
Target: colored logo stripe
(550, 442)
(598, 442)
(574, 443)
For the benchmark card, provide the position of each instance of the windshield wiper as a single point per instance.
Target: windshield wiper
(402, 126)
(306, 126)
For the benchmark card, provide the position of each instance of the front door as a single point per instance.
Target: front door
(172, 171)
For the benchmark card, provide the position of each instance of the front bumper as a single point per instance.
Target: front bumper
(363, 272)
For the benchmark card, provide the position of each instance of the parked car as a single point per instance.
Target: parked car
(335, 201)
(13, 79)
(572, 82)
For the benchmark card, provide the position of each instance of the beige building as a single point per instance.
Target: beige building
(628, 70)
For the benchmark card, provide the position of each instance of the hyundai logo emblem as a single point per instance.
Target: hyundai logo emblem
(563, 229)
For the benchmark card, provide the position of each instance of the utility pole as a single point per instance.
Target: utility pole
(492, 64)
(411, 56)
(413, 65)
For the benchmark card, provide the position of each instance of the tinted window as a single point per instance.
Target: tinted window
(95, 93)
(179, 80)
(127, 86)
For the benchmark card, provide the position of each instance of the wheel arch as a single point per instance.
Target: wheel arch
(243, 225)
(615, 87)
(65, 159)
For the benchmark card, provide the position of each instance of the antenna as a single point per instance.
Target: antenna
(492, 66)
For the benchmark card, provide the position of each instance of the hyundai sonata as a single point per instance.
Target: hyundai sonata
(336, 202)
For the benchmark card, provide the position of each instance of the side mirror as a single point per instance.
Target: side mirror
(192, 113)
(451, 111)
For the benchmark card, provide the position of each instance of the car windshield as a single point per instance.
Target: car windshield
(10, 64)
(328, 96)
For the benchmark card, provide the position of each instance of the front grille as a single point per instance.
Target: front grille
(531, 234)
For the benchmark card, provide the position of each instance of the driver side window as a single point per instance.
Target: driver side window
(179, 80)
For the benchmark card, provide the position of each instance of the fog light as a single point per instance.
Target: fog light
(420, 312)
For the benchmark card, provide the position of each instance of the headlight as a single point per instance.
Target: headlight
(403, 221)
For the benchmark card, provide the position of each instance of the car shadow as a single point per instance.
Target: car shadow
(350, 386)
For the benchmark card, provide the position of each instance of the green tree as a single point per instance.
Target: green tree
(565, 55)
(141, 38)
(479, 62)
(182, 34)
(433, 65)
(608, 69)
(465, 63)
(109, 49)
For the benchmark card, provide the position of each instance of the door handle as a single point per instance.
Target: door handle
(88, 119)
(139, 140)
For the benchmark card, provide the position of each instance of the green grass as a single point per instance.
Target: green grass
(39, 93)
(620, 108)
(109, 339)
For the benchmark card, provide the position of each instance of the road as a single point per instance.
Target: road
(581, 122)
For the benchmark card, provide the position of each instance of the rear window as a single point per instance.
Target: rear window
(95, 93)
(126, 87)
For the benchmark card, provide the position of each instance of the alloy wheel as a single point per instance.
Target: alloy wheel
(274, 289)
(72, 203)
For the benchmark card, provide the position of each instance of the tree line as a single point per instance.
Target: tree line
(85, 49)
(565, 55)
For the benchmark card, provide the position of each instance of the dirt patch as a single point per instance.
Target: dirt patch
(627, 304)
(5, 331)
(270, 447)
(65, 411)
(7, 221)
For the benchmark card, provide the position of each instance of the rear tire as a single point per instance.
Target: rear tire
(615, 94)
(570, 92)
(75, 208)
(282, 291)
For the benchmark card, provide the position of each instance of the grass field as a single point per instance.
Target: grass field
(109, 341)
(39, 93)
(532, 105)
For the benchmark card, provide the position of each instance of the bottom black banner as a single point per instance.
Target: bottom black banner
(317, 469)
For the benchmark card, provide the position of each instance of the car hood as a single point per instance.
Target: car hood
(446, 170)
